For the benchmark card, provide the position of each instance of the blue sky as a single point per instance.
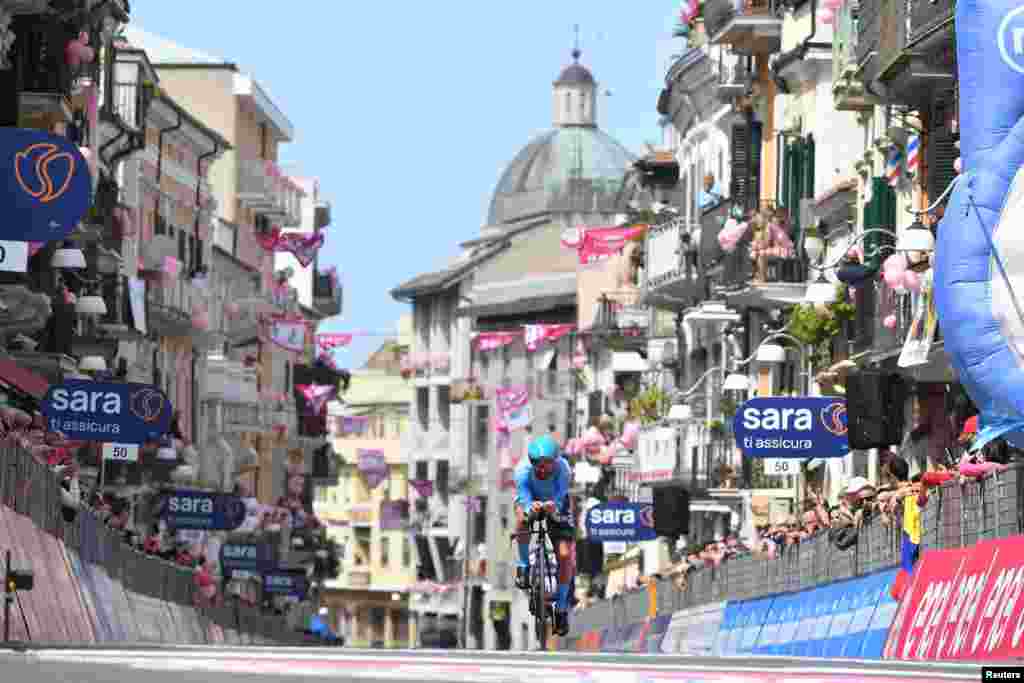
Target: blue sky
(408, 112)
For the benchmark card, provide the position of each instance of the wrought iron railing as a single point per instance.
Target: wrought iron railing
(718, 13)
(928, 15)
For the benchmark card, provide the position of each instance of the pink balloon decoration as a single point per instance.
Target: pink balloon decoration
(894, 278)
(912, 281)
(890, 321)
(630, 435)
(826, 16)
(958, 165)
(833, 5)
(896, 262)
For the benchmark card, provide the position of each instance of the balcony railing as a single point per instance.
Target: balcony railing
(231, 381)
(263, 188)
(169, 307)
(129, 105)
(673, 261)
(755, 26)
(734, 79)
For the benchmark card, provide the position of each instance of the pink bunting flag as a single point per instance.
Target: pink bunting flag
(599, 242)
(317, 396)
(332, 340)
(538, 334)
(489, 341)
(304, 247)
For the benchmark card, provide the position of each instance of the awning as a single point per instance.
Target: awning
(628, 361)
(711, 507)
(21, 379)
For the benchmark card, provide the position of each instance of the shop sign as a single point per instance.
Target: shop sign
(122, 413)
(783, 427)
(47, 185)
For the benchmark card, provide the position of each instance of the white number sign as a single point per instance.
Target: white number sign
(781, 467)
(13, 256)
(121, 452)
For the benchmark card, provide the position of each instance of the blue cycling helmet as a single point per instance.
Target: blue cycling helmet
(543, 448)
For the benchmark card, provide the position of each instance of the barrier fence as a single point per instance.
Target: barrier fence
(955, 516)
(91, 586)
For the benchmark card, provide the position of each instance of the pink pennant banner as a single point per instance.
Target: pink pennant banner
(301, 245)
(538, 334)
(332, 340)
(317, 396)
(489, 341)
(596, 243)
(513, 407)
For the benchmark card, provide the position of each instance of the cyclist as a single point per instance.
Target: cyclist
(542, 483)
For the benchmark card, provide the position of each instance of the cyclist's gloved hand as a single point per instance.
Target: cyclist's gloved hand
(536, 507)
(549, 507)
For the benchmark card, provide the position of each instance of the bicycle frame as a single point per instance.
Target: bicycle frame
(543, 571)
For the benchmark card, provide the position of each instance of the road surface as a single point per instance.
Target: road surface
(291, 665)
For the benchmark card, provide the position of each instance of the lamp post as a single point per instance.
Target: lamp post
(917, 239)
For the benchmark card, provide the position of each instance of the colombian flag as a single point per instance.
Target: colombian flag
(910, 548)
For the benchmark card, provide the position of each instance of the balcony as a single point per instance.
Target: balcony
(734, 79)
(263, 188)
(327, 294)
(673, 263)
(321, 215)
(42, 78)
(169, 307)
(906, 48)
(756, 28)
(848, 93)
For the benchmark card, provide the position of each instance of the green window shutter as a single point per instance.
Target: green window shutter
(880, 212)
(755, 164)
(808, 167)
(739, 164)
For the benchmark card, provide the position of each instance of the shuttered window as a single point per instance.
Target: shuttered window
(880, 212)
(745, 141)
(797, 181)
(941, 151)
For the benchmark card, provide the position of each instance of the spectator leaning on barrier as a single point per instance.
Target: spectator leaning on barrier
(850, 514)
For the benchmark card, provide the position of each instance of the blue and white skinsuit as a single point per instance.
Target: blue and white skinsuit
(530, 489)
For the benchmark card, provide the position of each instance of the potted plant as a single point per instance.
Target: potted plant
(716, 427)
(817, 326)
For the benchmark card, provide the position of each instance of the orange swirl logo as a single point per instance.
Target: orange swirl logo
(833, 418)
(147, 404)
(37, 179)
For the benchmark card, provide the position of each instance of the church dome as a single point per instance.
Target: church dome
(576, 74)
(549, 167)
(574, 167)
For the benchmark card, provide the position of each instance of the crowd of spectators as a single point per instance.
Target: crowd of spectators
(859, 503)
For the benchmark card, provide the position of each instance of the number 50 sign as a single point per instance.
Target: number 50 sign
(781, 467)
(121, 452)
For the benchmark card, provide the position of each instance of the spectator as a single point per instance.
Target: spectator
(849, 516)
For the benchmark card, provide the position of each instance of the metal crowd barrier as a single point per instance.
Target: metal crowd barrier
(33, 490)
(956, 515)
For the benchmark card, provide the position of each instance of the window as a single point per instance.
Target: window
(444, 407)
(264, 142)
(441, 482)
(287, 377)
(423, 407)
(568, 105)
(385, 551)
(422, 470)
(480, 443)
(406, 552)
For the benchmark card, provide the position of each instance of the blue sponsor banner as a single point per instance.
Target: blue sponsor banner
(186, 509)
(882, 617)
(286, 582)
(768, 642)
(725, 629)
(48, 185)
(627, 522)
(756, 614)
(107, 411)
(850, 618)
(782, 427)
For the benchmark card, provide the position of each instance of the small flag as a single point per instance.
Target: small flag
(913, 154)
(893, 167)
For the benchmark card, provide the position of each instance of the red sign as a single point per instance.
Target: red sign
(963, 604)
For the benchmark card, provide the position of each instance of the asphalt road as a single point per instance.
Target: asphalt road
(292, 665)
